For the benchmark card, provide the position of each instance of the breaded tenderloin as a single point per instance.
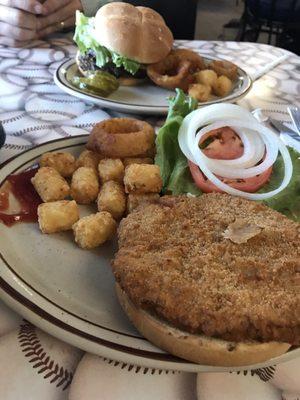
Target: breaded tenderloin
(140, 199)
(179, 260)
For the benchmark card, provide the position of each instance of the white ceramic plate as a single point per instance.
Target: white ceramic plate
(69, 292)
(143, 99)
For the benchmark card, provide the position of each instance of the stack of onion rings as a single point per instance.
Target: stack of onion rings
(189, 55)
(122, 137)
(224, 67)
(176, 70)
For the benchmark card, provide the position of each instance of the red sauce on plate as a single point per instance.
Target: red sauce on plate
(21, 187)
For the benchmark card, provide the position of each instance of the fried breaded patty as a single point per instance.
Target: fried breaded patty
(175, 262)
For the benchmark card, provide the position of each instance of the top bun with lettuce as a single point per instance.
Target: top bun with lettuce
(121, 39)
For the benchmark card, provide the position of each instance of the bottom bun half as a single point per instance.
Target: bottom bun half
(131, 81)
(198, 348)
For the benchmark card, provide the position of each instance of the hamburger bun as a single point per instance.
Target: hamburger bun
(131, 81)
(138, 33)
(199, 349)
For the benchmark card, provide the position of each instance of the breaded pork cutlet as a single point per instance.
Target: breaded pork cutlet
(216, 265)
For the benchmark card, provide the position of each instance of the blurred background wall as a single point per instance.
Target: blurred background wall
(275, 22)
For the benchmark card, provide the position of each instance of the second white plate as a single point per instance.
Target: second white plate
(143, 99)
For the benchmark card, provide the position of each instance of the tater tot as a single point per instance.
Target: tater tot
(57, 216)
(223, 86)
(112, 198)
(137, 160)
(206, 77)
(50, 185)
(88, 159)
(64, 163)
(84, 185)
(111, 169)
(135, 200)
(199, 91)
(93, 230)
(142, 178)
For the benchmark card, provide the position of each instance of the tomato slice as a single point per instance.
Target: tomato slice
(250, 185)
(226, 145)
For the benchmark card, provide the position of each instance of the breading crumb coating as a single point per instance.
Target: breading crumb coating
(175, 262)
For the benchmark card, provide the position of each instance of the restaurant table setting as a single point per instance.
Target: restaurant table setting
(33, 110)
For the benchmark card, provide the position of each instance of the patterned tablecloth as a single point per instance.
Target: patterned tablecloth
(33, 110)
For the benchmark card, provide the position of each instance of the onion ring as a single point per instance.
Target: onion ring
(171, 73)
(224, 67)
(189, 55)
(176, 70)
(122, 137)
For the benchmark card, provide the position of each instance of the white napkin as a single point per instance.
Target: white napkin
(43, 122)
(35, 366)
(270, 383)
(286, 377)
(97, 378)
(112, 379)
(234, 386)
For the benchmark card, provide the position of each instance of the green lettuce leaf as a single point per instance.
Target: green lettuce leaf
(172, 162)
(181, 180)
(181, 105)
(129, 65)
(85, 41)
(288, 201)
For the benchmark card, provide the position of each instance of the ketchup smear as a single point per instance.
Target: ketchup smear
(23, 190)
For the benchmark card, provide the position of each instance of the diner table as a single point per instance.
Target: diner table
(34, 110)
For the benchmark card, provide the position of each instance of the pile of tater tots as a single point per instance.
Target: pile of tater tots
(115, 186)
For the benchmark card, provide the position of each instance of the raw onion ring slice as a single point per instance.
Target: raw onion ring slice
(188, 139)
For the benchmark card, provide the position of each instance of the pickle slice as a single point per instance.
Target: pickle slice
(97, 82)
